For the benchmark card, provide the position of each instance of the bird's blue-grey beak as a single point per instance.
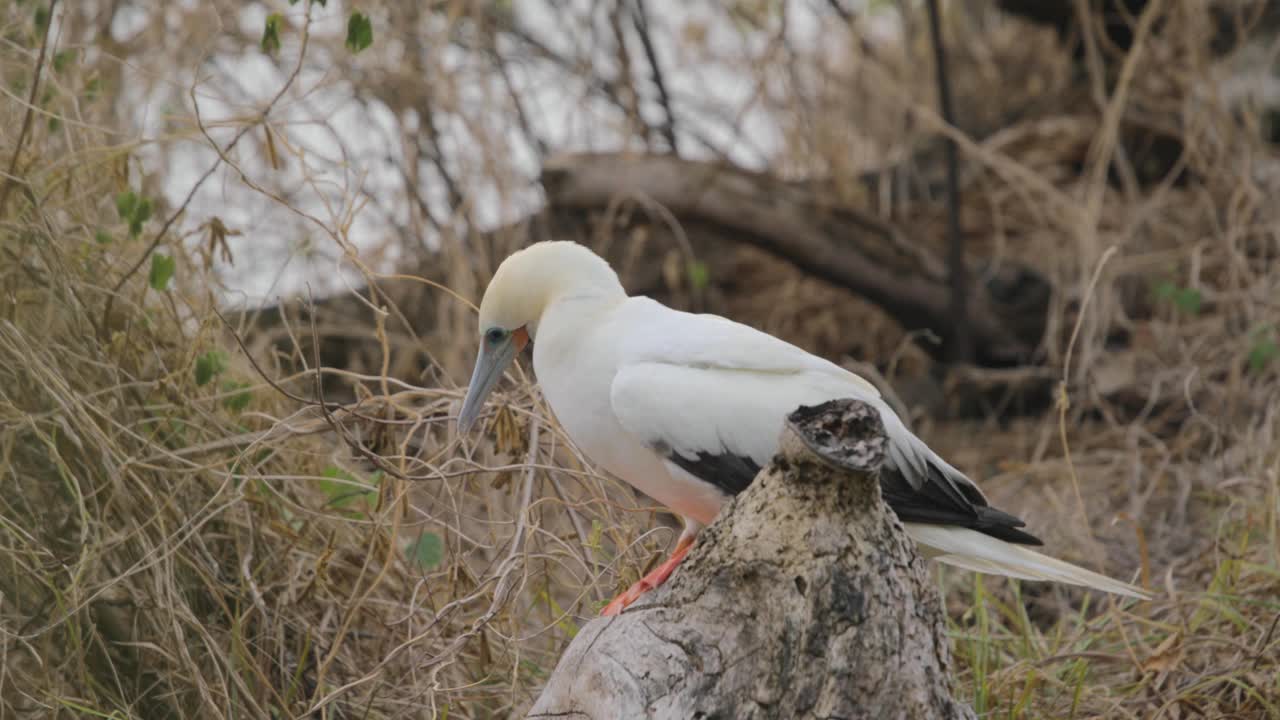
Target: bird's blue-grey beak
(491, 363)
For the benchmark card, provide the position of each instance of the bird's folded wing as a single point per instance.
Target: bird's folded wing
(710, 341)
(721, 425)
(725, 421)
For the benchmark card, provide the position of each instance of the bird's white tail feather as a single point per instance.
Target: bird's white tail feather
(972, 550)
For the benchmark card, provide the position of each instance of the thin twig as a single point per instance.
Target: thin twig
(375, 536)
(540, 146)
(630, 96)
(340, 428)
(1063, 400)
(30, 111)
(173, 217)
(263, 374)
(640, 17)
(961, 347)
(505, 577)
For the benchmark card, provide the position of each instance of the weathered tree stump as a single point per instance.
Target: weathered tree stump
(805, 599)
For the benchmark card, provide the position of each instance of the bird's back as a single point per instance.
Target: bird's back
(657, 333)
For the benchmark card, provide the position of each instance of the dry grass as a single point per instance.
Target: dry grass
(183, 536)
(186, 534)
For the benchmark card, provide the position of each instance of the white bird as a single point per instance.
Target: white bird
(687, 409)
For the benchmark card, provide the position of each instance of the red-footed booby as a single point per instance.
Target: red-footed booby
(687, 409)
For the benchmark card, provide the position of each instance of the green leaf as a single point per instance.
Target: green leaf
(343, 488)
(240, 397)
(699, 275)
(339, 493)
(142, 211)
(533, 668)
(271, 34)
(1188, 300)
(102, 237)
(62, 59)
(139, 215)
(162, 269)
(333, 471)
(125, 203)
(359, 32)
(208, 365)
(1264, 350)
(134, 209)
(427, 551)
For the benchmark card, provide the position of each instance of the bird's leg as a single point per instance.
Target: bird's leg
(659, 574)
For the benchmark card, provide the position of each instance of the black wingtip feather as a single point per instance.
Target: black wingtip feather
(937, 500)
(1000, 524)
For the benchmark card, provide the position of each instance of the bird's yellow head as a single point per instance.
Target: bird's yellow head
(525, 285)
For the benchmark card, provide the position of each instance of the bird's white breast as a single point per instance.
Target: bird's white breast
(577, 358)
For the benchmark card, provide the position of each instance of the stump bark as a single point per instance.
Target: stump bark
(805, 599)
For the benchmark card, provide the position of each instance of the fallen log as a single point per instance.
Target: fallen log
(805, 599)
(842, 245)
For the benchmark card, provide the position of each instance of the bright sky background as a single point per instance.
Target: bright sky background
(352, 143)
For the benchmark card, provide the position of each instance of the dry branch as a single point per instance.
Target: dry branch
(805, 599)
(839, 244)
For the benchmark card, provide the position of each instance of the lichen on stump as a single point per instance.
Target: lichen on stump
(805, 599)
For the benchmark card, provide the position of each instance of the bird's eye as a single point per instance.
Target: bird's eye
(495, 335)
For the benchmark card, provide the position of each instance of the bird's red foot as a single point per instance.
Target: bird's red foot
(650, 581)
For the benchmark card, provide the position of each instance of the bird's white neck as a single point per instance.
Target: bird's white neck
(576, 307)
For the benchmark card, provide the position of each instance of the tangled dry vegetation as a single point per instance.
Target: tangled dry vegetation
(187, 530)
